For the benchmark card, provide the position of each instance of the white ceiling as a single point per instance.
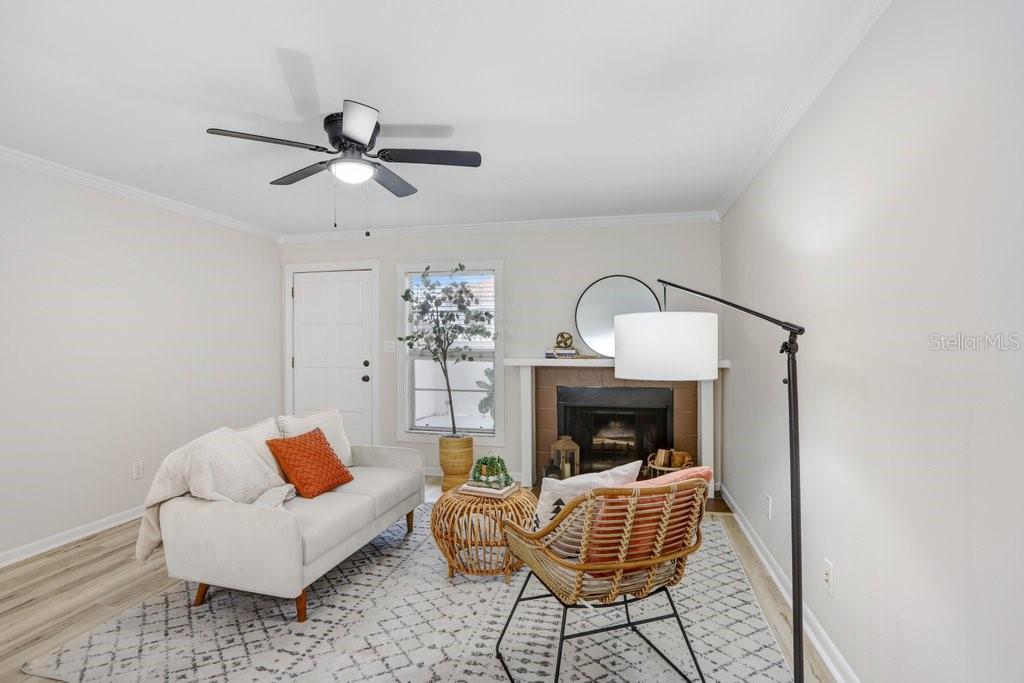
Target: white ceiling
(579, 108)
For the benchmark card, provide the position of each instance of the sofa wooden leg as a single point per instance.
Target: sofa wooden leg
(408, 522)
(200, 594)
(300, 607)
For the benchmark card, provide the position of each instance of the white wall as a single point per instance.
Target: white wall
(127, 331)
(895, 211)
(545, 270)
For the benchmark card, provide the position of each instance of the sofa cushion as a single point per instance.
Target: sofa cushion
(386, 486)
(329, 422)
(328, 520)
(258, 435)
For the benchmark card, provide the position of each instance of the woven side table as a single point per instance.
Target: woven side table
(467, 530)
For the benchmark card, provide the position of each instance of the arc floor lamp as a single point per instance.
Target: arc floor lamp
(683, 346)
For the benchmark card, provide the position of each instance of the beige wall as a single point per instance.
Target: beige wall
(127, 331)
(545, 270)
(894, 212)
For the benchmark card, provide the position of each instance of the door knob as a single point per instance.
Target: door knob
(366, 378)
(366, 363)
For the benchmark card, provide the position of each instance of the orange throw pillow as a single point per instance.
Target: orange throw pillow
(678, 476)
(309, 462)
(609, 522)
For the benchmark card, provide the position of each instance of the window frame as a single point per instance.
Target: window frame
(405, 395)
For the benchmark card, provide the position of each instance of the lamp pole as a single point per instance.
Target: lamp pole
(790, 348)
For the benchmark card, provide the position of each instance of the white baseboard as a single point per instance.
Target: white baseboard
(50, 542)
(830, 654)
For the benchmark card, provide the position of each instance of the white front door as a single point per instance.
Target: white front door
(332, 344)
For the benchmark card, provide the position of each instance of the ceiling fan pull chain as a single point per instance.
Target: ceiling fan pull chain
(366, 207)
(334, 191)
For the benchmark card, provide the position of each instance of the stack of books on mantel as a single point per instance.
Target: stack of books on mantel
(561, 353)
(485, 492)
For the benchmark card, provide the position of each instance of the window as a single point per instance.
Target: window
(475, 382)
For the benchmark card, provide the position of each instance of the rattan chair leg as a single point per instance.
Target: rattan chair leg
(497, 646)
(625, 603)
(693, 655)
(561, 641)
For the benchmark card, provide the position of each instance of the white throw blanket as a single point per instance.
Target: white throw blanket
(220, 465)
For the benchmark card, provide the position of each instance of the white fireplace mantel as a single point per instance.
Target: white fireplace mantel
(705, 409)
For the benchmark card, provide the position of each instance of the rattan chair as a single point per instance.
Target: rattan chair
(611, 543)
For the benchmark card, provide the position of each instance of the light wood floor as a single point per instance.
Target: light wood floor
(51, 598)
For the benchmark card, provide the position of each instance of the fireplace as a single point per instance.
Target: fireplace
(615, 425)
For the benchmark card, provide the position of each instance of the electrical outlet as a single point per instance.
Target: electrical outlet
(830, 577)
(768, 507)
(389, 346)
(136, 469)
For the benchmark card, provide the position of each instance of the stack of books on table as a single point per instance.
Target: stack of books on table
(561, 353)
(485, 492)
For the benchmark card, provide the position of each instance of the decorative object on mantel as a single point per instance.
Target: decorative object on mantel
(563, 347)
(605, 298)
(443, 320)
(490, 472)
(565, 455)
(646, 342)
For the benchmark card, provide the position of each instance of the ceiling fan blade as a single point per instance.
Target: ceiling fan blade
(263, 138)
(441, 157)
(358, 121)
(301, 173)
(392, 182)
(412, 130)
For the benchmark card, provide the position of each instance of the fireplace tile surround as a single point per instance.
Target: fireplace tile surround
(548, 379)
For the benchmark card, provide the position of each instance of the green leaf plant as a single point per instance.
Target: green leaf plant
(495, 467)
(443, 321)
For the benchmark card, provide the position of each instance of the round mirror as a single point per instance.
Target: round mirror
(602, 301)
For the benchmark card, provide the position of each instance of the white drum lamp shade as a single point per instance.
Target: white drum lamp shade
(667, 346)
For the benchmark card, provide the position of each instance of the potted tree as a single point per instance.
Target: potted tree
(443, 321)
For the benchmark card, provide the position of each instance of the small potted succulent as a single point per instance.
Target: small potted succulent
(490, 471)
(443, 321)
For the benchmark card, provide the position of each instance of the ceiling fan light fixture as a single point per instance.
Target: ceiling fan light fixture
(352, 171)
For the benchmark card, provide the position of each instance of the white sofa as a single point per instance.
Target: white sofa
(280, 552)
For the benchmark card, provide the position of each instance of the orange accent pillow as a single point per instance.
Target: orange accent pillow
(676, 477)
(309, 462)
(606, 536)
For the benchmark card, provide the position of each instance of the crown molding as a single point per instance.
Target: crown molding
(857, 27)
(56, 170)
(626, 221)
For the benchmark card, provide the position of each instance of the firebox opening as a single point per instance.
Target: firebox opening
(615, 425)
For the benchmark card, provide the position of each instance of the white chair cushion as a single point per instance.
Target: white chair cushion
(328, 520)
(555, 493)
(386, 486)
(329, 422)
(258, 435)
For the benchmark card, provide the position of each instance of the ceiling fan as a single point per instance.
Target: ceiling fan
(353, 133)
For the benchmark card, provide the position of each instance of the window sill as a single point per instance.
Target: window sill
(406, 436)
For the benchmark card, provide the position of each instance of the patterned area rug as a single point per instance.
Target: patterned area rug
(389, 613)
